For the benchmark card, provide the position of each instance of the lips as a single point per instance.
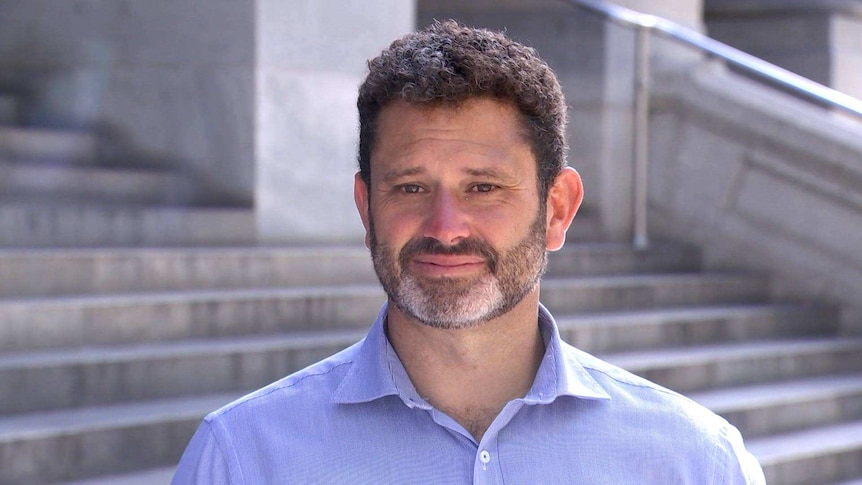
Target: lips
(447, 265)
(428, 257)
(449, 260)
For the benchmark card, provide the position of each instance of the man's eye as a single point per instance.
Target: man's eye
(411, 189)
(483, 187)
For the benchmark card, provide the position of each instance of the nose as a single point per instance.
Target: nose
(446, 220)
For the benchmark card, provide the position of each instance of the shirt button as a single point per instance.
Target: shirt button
(484, 457)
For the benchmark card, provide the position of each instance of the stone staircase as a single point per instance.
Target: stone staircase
(109, 358)
(58, 188)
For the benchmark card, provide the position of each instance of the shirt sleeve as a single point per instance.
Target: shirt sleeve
(742, 468)
(204, 462)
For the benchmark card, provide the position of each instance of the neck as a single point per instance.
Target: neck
(470, 374)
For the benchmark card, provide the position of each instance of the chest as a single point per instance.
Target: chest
(416, 448)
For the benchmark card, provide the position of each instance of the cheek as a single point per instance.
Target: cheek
(393, 227)
(510, 222)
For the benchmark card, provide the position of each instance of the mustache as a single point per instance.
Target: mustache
(465, 247)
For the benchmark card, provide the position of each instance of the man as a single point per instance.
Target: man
(462, 189)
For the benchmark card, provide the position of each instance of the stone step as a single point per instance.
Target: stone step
(74, 225)
(83, 271)
(786, 320)
(91, 376)
(593, 259)
(47, 447)
(781, 407)
(37, 380)
(79, 271)
(32, 323)
(587, 227)
(736, 364)
(820, 455)
(22, 182)
(622, 292)
(677, 327)
(8, 109)
(126, 318)
(35, 144)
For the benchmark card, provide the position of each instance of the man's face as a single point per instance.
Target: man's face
(455, 225)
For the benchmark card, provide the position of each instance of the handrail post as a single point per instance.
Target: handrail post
(640, 138)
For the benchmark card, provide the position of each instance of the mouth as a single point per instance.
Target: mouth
(448, 265)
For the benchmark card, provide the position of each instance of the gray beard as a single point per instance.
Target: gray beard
(451, 303)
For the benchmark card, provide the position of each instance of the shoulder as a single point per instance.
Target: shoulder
(286, 422)
(670, 423)
(309, 388)
(623, 385)
(638, 397)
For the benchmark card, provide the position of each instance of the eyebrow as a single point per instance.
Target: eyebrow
(399, 173)
(487, 172)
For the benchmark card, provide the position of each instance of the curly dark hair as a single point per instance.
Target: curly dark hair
(446, 64)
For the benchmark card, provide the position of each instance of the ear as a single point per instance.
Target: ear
(564, 199)
(360, 197)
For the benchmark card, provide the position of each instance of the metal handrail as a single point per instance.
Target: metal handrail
(793, 82)
(644, 24)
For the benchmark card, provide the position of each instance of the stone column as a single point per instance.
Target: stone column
(310, 60)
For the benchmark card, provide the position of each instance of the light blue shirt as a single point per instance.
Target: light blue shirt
(356, 418)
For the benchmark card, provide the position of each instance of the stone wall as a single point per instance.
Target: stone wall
(761, 181)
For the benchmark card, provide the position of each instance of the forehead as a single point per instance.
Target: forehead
(481, 129)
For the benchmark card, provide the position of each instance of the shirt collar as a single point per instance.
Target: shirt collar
(560, 373)
(377, 371)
